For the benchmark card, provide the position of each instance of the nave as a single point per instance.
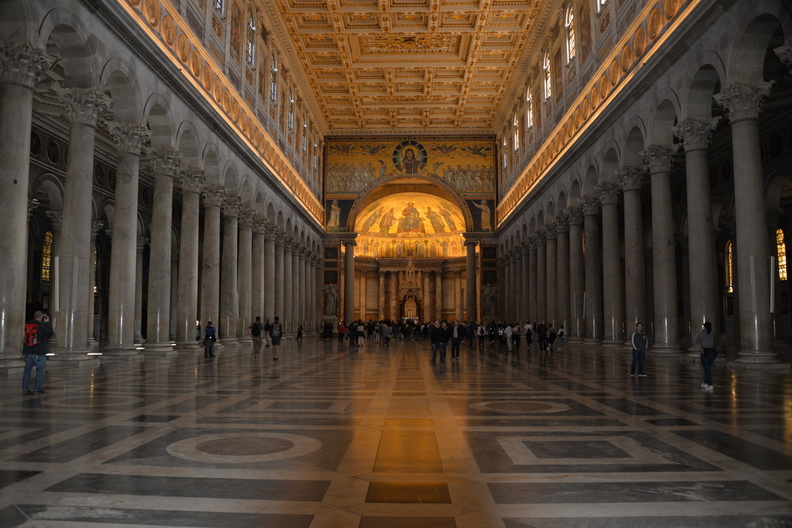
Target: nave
(378, 437)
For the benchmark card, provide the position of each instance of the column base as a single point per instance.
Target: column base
(75, 354)
(749, 360)
(122, 352)
(160, 350)
(665, 350)
(592, 342)
(612, 344)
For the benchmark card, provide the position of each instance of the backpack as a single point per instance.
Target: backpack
(255, 329)
(276, 330)
(31, 335)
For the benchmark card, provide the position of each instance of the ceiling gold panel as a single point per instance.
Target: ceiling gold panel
(408, 66)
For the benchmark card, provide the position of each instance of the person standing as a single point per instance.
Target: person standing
(516, 336)
(528, 334)
(276, 332)
(481, 333)
(265, 336)
(437, 338)
(256, 329)
(708, 353)
(210, 336)
(456, 331)
(299, 334)
(639, 345)
(508, 333)
(37, 331)
(541, 334)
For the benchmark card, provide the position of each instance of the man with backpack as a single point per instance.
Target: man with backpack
(37, 331)
(276, 333)
(256, 329)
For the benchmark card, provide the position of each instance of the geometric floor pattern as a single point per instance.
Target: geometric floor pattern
(332, 436)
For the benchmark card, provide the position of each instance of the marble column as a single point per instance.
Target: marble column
(666, 335)
(349, 280)
(297, 286)
(257, 271)
(210, 274)
(577, 280)
(541, 275)
(174, 293)
(439, 295)
(142, 242)
(363, 294)
(470, 280)
(393, 297)
(533, 293)
(287, 315)
(525, 266)
(158, 307)
(695, 135)
(279, 290)
(229, 277)
(593, 270)
(245, 275)
(562, 278)
(82, 109)
(551, 274)
(631, 179)
(191, 181)
(269, 272)
(19, 68)
(612, 307)
(744, 103)
(383, 304)
(122, 320)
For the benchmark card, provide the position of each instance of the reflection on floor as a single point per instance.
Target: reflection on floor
(333, 436)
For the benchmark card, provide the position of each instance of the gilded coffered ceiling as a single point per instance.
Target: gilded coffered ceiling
(429, 66)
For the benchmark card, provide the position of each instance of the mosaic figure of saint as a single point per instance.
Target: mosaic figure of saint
(410, 222)
(335, 215)
(387, 221)
(486, 225)
(434, 218)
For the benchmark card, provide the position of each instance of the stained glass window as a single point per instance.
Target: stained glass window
(781, 253)
(46, 257)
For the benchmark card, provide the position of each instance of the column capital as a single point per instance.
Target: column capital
(608, 193)
(659, 157)
(142, 242)
(784, 52)
(575, 214)
(83, 105)
(165, 161)
(743, 101)
(540, 236)
(191, 179)
(531, 243)
(630, 178)
(22, 64)
(231, 206)
(32, 206)
(129, 138)
(470, 241)
(213, 194)
(55, 219)
(562, 222)
(696, 133)
(551, 230)
(96, 226)
(590, 205)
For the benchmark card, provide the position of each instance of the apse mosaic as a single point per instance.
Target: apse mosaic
(410, 225)
(466, 164)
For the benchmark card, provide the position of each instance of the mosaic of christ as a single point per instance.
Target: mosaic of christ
(410, 225)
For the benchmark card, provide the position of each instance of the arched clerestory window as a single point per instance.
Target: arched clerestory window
(529, 110)
(569, 24)
(548, 76)
(250, 48)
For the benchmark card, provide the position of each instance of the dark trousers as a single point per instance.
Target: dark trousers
(441, 347)
(455, 342)
(707, 364)
(638, 359)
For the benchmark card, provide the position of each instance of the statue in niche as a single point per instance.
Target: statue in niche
(330, 299)
(489, 301)
(335, 215)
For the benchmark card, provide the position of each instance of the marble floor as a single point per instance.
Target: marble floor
(377, 437)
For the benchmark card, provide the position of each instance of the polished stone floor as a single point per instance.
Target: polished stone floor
(379, 437)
